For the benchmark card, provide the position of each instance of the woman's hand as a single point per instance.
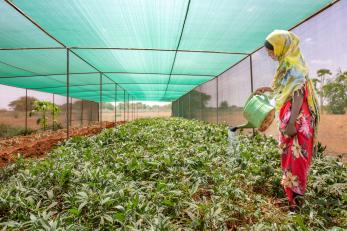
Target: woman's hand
(296, 105)
(261, 90)
(290, 129)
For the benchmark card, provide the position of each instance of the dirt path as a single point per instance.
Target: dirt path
(38, 144)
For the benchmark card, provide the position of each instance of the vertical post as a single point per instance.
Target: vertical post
(128, 116)
(251, 75)
(251, 72)
(201, 105)
(98, 113)
(100, 103)
(91, 112)
(26, 111)
(115, 104)
(133, 106)
(179, 108)
(189, 113)
(217, 99)
(82, 113)
(53, 114)
(70, 111)
(130, 107)
(67, 92)
(124, 106)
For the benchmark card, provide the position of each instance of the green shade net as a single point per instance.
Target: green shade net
(134, 43)
(17, 31)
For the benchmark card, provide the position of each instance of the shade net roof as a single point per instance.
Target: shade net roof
(150, 49)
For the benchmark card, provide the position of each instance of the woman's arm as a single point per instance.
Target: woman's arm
(261, 90)
(296, 105)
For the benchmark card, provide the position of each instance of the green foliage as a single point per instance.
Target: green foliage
(223, 105)
(20, 104)
(108, 106)
(9, 131)
(335, 91)
(45, 107)
(165, 174)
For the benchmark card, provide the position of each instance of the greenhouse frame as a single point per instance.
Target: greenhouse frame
(135, 51)
(153, 115)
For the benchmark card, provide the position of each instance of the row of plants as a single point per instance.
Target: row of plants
(167, 174)
(7, 130)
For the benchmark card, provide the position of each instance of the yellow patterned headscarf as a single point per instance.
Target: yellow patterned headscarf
(292, 71)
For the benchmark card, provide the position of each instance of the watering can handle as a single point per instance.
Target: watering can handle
(261, 94)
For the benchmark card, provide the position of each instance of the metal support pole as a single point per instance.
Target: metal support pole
(67, 93)
(217, 100)
(124, 107)
(128, 117)
(115, 104)
(179, 108)
(189, 112)
(82, 113)
(100, 107)
(251, 75)
(26, 111)
(133, 109)
(70, 111)
(201, 105)
(98, 113)
(53, 124)
(91, 112)
(130, 107)
(251, 72)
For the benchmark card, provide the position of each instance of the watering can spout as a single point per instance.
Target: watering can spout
(247, 125)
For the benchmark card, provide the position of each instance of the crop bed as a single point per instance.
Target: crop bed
(40, 143)
(167, 174)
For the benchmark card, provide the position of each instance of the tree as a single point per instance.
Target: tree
(223, 105)
(315, 81)
(108, 106)
(322, 74)
(45, 107)
(335, 92)
(19, 104)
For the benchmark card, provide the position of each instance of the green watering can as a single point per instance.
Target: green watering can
(256, 110)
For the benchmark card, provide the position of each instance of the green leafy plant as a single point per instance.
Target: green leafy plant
(45, 107)
(8, 130)
(166, 174)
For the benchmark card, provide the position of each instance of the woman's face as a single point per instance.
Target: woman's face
(271, 53)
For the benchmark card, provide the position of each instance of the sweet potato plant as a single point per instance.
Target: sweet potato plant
(166, 174)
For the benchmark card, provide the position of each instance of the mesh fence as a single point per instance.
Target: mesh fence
(19, 115)
(323, 45)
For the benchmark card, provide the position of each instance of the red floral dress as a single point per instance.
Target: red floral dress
(297, 150)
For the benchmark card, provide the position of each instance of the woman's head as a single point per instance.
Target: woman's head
(281, 44)
(270, 50)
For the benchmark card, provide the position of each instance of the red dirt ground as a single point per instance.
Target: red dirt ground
(38, 144)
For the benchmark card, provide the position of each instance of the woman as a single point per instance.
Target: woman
(297, 109)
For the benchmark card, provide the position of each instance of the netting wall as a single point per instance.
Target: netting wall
(323, 44)
(18, 117)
